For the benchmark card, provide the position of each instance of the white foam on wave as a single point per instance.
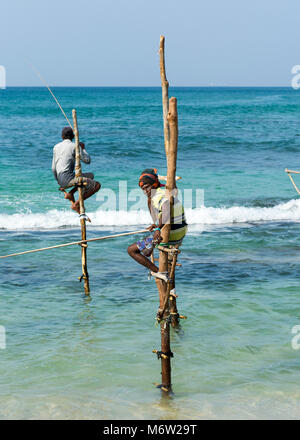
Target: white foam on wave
(53, 219)
(289, 211)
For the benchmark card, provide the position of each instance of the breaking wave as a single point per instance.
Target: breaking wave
(53, 219)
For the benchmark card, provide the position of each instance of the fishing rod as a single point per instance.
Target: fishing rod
(48, 87)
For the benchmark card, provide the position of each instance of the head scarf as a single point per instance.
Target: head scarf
(150, 176)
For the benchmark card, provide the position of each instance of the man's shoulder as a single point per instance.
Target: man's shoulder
(160, 192)
(159, 197)
(56, 146)
(64, 145)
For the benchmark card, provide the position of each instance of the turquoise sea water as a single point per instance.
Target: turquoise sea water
(68, 356)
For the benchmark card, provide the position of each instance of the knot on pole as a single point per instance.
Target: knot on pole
(173, 294)
(163, 355)
(167, 249)
(162, 387)
(176, 315)
(84, 217)
(159, 317)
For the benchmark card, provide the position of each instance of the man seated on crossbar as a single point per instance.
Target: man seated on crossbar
(63, 164)
(159, 208)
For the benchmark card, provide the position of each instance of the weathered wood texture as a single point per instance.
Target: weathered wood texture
(163, 288)
(165, 91)
(78, 174)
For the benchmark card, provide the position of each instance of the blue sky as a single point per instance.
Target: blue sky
(115, 42)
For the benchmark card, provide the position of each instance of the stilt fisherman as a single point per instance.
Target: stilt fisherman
(159, 208)
(63, 164)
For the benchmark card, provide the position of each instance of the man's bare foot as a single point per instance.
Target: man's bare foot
(75, 206)
(69, 196)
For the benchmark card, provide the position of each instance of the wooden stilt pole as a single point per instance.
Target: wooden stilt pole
(163, 257)
(170, 119)
(165, 92)
(170, 296)
(78, 174)
(165, 103)
(171, 188)
(163, 288)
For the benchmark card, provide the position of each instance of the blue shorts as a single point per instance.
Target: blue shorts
(146, 246)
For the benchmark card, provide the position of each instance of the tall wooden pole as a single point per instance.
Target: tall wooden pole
(165, 103)
(171, 187)
(166, 353)
(165, 91)
(78, 175)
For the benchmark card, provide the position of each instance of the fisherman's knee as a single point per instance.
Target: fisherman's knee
(132, 249)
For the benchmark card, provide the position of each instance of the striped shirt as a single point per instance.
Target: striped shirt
(178, 222)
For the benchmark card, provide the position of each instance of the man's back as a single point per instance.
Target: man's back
(64, 161)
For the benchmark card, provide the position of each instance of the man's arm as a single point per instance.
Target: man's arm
(152, 213)
(165, 217)
(53, 167)
(84, 156)
(163, 220)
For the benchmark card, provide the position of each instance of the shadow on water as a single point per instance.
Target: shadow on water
(177, 331)
(167, 404)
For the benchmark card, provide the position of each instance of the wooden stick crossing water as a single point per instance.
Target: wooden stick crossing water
(73, 243)
(289, 172)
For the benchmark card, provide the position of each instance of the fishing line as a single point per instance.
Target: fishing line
(45, 83)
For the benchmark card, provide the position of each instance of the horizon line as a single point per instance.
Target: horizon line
(154, 87)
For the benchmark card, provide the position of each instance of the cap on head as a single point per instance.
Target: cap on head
(67, 133)
(149, 176)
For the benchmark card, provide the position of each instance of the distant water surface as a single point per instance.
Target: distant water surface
(68, 356)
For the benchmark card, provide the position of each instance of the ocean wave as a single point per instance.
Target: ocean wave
(54, 219)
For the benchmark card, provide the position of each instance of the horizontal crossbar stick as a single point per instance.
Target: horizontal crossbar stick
(76, 242)
(165, 177)
(292, 180)
(291, 171)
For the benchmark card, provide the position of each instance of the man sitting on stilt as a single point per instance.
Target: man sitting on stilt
(63, 164)
(159, 207)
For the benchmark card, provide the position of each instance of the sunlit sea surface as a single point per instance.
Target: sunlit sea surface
(68, 356)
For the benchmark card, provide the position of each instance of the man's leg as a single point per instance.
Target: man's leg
(70, 195)
(134, 251)
(142, 249)
(88, 190)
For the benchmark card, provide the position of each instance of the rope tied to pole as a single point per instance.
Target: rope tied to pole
(163, 354)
